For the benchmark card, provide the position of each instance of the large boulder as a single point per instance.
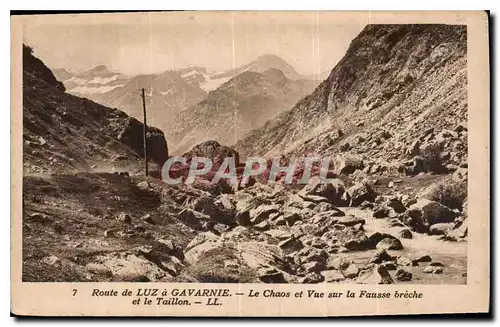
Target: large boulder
(414, 166)
(390, 244)
(334, 191)
(214, 151)
(263, 212)
(194, 219)
(131, 134)
(361, 192)
(441, 228)
(459, 232)
(376, 275)
(217, 210)
(347, 164)
(427, 213)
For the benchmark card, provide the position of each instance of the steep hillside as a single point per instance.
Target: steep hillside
(399, 92)
(242, 104)
(63, 132)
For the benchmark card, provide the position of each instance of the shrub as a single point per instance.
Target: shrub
(431, 156)
(450, 194)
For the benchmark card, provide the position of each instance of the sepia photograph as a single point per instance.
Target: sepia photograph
(385, 104)
(246, 147)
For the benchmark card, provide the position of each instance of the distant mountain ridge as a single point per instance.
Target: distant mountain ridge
(171, 92)
(238, 106)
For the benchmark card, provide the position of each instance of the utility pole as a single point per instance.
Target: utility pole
(145, 131)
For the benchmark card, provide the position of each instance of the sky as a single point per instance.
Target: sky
(312, 42)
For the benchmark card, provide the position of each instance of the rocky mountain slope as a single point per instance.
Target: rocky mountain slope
(399, 94)
(63, 132)
(238, 106)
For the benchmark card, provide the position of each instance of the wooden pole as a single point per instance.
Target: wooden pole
(145, 132)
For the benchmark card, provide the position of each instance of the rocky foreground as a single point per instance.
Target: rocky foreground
(114, 227)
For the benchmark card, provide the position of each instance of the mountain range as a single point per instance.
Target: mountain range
(189, 104)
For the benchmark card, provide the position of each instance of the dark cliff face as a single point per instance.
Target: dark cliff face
(401, 78)
(62, 132)
(37, 69)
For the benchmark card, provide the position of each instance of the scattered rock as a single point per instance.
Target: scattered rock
(374, 238)
(396, 223)
(381, 212)
(427, 213)
(124, 218)
(50, 260)
(312, 266)
(291, 245)
(243, 218)
(192, 218)
(262, 213)
(436, 264)
(312, 278)
(441, 228)
(148, 218)
(423, 258)
(390, 244)
(403, 275)
(262, 226)
(380, 256)
(291, 218)
(350, 220)
(360, 193)
(405, 261)
(332, 276)
(376, 275)
(460, 174)
(389, 265)
(351, 271)
(334, 191)
(144, 185)
(396, 204)
(323, 207)
(337, 263)
(40, 218)
(348, 164)
(405, 233)
(433, 270)
(270, 275)
(366, 205)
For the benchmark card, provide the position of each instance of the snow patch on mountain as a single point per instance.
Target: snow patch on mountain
(93, 90)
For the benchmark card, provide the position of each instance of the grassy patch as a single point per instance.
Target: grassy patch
(213, 268)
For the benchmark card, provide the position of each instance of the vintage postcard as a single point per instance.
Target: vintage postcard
(251, 163)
